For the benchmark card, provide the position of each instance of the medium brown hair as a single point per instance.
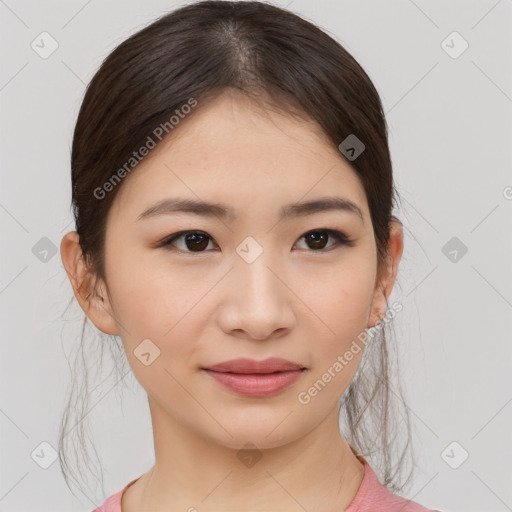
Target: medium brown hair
(275, 57)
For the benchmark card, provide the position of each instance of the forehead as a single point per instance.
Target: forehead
(233, 151)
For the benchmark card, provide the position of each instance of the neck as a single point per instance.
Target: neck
(316, 472)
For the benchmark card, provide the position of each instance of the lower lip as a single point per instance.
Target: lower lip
(256, 385)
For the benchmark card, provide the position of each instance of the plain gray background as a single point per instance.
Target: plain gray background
(450, 124)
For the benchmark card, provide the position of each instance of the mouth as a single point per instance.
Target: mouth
(262, 384)
(241, 372)
(251, 366)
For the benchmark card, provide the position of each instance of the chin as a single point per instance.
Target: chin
(264, 434)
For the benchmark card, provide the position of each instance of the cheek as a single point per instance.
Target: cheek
(341, 299)
(163, 303)
(151, 293)
(157, 305)
(342, 305)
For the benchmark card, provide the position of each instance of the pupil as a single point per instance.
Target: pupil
(316, 244)
(195, 238)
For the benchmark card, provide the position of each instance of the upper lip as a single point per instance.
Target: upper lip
(243, 365)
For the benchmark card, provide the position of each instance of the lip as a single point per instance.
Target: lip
(243, 365)
(251, 378)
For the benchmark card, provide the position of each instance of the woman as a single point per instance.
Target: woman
(233, 194)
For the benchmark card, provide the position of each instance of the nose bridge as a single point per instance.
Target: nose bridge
(255, 270)
(257, 301)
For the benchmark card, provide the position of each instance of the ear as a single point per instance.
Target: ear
(387, 273)
(90, 292)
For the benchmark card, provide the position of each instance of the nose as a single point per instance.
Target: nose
(257, 302)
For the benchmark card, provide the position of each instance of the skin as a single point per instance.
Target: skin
(200, 308)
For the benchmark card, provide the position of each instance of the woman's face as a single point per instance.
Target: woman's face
(251, 284)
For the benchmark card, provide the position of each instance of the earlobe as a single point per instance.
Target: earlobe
(88, 290)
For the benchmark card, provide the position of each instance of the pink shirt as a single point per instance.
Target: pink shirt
(371, 496)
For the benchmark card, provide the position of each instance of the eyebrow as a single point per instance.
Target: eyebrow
(293, 210)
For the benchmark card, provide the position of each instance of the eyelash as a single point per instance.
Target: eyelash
(341, 239)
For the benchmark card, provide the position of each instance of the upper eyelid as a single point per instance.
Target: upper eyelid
(177, 234)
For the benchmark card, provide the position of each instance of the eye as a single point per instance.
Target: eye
(198, 241)
(195, 241)
(318, 237)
